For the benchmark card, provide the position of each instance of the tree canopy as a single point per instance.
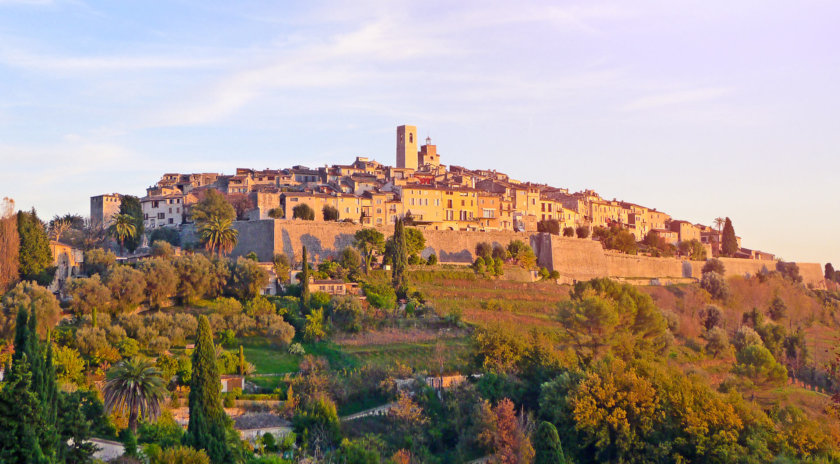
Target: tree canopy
(35, 257)
(729, 243)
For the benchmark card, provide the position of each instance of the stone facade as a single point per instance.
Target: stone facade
(103, 208)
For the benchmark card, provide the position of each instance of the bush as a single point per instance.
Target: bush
(432, 259)
(227, 338)
(350, 259)
(259, 306)
(693, 249)
(500, 252)
(744, 337)
(483, 249)
(789, 271)
(97, 261)
(164, 432)
(777, 309)
(227, 306)
(159, 345)
(479, 265)
(319, 300)
(347, 313)
(303, 211)
(582, 231)
(296, 349)
(714, 265)
(550, 226)
(330, 213)
(162, 249)
(169, 235)
(711, 316)
(717, 342)
(756, 361)
(276, 213)
(381, 296)
(247, 278)
(568, 231)
(716, 285)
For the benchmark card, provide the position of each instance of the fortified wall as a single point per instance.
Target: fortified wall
(583, 259)
(326, 239)
(573, 258)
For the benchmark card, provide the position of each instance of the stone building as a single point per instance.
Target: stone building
(407, 147)
(103, 208)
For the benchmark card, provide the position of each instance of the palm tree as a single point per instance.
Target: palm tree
(122, 227)
(719, 221)
(137, 385)
(218, 233)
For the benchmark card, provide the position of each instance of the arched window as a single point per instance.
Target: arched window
(410, 138)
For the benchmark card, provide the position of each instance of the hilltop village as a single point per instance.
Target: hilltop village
(420, 313)
(433, 196)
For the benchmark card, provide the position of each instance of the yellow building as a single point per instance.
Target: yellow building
(349, 206)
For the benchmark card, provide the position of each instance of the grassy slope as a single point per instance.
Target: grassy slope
(521, 307)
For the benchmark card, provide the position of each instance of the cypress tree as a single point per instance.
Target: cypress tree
(20, 417)
(41, 380)
(399, 259)
(208, 422)
(547, 445)
(729, 243)
(241, 361)
(34, 256)
(304, 282)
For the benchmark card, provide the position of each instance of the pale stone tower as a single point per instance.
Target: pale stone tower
(407, 147)
(428, 154)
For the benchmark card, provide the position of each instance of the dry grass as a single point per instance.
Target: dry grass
(395, 335)
(518, 306)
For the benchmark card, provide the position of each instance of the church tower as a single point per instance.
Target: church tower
(407, 147)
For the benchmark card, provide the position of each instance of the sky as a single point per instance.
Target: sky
(697, 108)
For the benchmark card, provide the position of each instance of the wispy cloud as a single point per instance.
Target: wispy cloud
(30, 61)
(677, 98)
(26, 2)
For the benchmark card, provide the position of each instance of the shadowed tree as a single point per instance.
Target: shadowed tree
(547, 445)
(304, 280)
(28, 401)
(135, 385)
(399, 258)
(130, 205)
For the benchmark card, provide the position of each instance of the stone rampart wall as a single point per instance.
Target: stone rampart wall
(324, 240)
(573, 258)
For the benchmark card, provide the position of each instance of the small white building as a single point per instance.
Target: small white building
(163, 210)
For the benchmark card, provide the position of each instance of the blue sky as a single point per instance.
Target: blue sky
(701, 109)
